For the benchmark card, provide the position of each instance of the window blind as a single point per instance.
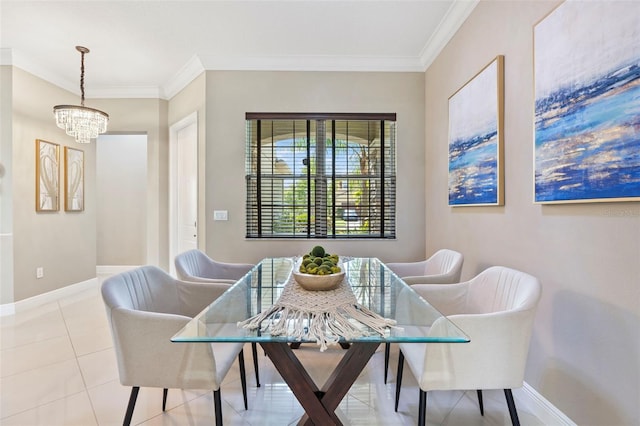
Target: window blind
(320, 175)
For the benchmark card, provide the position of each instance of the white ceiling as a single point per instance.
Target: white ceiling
(152, 48)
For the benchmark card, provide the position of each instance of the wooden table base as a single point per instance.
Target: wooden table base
(320, 404)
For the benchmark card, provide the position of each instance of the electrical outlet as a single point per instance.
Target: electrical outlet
(220, 215)
(39, 272)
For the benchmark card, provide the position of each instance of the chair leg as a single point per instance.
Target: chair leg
(387, 347)
(422, 408)
(243, 377)
(217, 404)
(512, 407)
(254, 352)
(479, 391)
(399, 377)
(131, 406)
(164, 398)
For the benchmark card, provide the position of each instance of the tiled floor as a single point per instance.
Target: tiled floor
(57, 367)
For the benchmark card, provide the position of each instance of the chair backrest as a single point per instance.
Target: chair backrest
(191, 264)
(147, 288)
(502, 289)
(445, 261)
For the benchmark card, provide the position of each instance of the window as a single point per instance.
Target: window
(320, 175)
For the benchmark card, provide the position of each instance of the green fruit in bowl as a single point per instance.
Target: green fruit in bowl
(318, 251)
(319, 262)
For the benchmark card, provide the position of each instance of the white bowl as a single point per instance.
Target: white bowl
(318, 282)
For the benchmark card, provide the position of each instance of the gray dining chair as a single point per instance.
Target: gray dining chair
(145, 308)
(195, 266)
(496, 309)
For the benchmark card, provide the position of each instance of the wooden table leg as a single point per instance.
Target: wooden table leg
(300, 383)
(320, 404)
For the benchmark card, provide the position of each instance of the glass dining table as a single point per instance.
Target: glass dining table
(372, 288)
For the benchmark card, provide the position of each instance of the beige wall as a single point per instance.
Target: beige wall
(231, 94)
(585, 350)
(64, 244)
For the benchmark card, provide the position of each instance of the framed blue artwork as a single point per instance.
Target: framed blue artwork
(587, 103)
(476, 115)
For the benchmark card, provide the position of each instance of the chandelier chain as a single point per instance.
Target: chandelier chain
(82, 77)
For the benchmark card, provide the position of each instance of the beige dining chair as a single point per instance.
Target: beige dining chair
(195, 266)
(443, 267)
(496, 309)
(145, 308)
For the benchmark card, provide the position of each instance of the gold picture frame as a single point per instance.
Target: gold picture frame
(73, 179)
(586, 134)
(47, 176)
(476, 139)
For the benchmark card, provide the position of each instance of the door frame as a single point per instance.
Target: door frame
(173, 187)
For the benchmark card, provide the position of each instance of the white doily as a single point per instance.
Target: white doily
(320, 316)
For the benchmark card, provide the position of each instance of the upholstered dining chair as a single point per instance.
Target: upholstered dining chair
(443, 267)
(145, 308)
(195, 266)
(496, 309)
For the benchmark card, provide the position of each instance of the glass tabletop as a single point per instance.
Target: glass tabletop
(374, 286)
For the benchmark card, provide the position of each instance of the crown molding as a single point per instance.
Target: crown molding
(189, 71)
(119, 92)
(16, 59)
(453, 20)
(313, 63)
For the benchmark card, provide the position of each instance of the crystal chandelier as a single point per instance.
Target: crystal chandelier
(81, 122)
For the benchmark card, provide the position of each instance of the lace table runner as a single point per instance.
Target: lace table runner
(322, 316)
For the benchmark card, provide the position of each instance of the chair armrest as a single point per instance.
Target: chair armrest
(147, 357)
(497, 354)
(429, 279)
(406, 269)
(231, 271)
(194, 297)
(194, 279)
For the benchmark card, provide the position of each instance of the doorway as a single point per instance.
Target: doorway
(121, 188)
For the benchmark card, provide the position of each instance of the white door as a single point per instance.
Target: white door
(187, 190)
(183, 181)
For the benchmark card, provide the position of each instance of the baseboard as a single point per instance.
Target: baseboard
(48, 297)
(113, 269)
(530, 400)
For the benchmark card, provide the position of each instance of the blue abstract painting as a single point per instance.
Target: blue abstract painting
(587, 103)
(475, 139)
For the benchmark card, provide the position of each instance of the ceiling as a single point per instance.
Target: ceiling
(153, 48)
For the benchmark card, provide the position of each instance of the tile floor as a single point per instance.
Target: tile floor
(57, 367)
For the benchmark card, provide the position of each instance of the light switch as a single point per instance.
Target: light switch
(220, 215)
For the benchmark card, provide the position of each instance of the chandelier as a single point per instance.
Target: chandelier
(79, 121)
